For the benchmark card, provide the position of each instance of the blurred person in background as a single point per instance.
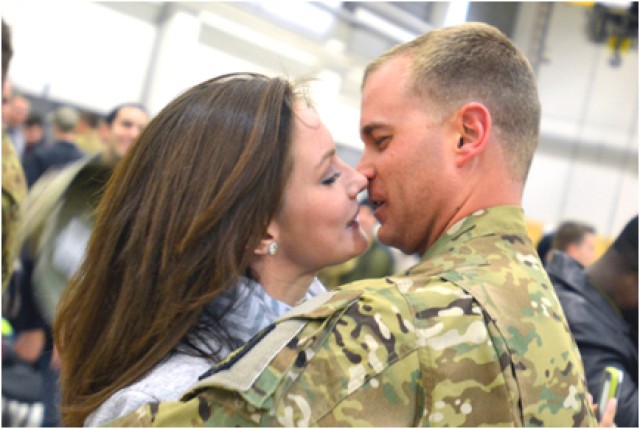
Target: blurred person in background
(34, 134)
(213, 226)
(544, 247)
(61, 152)
(377, 261)
(59, 214)
(14, 188)
(577, 240)
(18, 112)
(87, 134)
(20, 400)
(601, 306)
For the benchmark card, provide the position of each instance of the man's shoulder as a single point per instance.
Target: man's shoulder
(13, 181)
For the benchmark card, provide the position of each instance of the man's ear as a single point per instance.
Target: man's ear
(474, 126)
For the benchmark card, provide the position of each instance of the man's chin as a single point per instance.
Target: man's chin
(385, 238)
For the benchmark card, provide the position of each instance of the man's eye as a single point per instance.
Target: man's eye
(379, 141)
(331, 179)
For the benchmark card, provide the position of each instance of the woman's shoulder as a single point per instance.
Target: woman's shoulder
(166, 382)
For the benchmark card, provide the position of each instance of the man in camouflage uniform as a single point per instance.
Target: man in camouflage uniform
(14, 186)
(472, 335)
(59, 212)
(14, 191)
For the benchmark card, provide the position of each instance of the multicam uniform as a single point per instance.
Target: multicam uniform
(472, 335)
(14, 191)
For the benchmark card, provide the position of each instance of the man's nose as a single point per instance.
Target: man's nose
(365, 165)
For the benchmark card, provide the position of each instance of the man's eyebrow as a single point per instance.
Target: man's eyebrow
(368, 129)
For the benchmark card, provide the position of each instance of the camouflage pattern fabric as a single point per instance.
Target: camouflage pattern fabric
(59, 216)
(377, 261)
(471, 336)
(14, 191)
(89, 142)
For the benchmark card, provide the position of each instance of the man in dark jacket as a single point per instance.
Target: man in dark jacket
(61, 152)
(601, 306)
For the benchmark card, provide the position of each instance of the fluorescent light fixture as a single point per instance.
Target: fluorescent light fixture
(392, 30)
(457, 12)
(240, 31)
(300, 14)
(617, 4)
(335, 45)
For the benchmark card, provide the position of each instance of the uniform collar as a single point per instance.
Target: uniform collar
(504, 220)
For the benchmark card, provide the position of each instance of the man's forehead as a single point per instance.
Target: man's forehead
(130, 113)
(393, 73)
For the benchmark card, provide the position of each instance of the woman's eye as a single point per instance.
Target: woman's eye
(331, 179)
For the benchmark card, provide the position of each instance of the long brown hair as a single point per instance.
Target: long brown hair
(174, 229)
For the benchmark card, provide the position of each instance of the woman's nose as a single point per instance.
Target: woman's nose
(358, 183)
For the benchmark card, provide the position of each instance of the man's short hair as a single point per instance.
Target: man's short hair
(476, 62)
(570, 232)
(626, 244)
(114, 113)
(65, 119)
(34, 119)
(544, 246)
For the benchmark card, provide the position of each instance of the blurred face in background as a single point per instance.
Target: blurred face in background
(585, 251)
(33, 134)
(19, 111)
(125, 128)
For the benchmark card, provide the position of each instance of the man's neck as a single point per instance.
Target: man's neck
(65, 137)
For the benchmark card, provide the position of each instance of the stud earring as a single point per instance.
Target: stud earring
(272, 249)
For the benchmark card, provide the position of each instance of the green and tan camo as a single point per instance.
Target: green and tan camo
(471, 336)
(14, 192)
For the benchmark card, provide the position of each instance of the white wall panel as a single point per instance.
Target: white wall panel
(82, 53)
(542, 193)
(583, 96)
(586, 103)
(590, 193)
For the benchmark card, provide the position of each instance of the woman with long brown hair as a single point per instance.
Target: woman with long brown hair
(212, 226)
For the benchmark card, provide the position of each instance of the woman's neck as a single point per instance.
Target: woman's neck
(283, 285)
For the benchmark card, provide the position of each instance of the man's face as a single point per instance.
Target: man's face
(33, 134)
(19, 111)
(411, 173)
(125, 128)
(585, 252)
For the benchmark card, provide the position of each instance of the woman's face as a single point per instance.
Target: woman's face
(317, 225)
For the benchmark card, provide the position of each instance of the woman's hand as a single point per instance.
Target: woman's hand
(606, 420)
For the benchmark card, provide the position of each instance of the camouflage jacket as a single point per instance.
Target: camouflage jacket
(14, 191)
(58, 219)
(473, 335)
